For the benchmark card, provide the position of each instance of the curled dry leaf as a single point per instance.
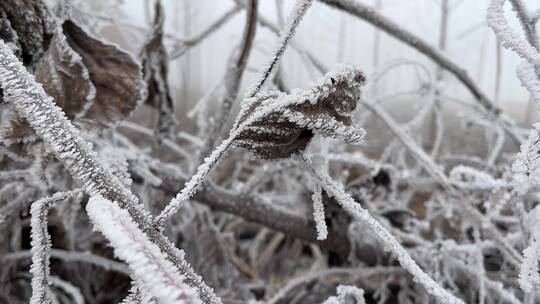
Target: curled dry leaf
(154, 64)
(114, 73)
(26, 24)
(65, 78)
(276, 125)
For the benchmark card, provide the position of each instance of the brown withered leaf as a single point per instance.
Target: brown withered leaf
(276, 125)
(32, 22)
(115, 74)
(154, 64)
(65, 78)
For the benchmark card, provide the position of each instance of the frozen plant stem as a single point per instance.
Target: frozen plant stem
(41, 245)
(381, 233)
(51, 124)
(148, 263)
(296, 16)
(233, 78)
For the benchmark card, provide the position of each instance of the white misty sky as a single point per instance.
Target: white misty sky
(470, 42)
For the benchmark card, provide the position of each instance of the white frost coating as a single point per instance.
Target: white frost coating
(345, 292)
(148, 263)
(465, 176)
(510, 40)
(526, 169)
(41, 245)
(383, 235)
(529, 79)
(285, 35)
(529, 277)
(318, 213)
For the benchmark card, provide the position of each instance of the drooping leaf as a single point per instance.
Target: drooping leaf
(30, 27)
(114, 73)
(154, 64)
(276, 125)
(65, 78)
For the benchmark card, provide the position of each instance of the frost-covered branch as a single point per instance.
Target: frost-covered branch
(184, 45)
(233, 76)
(381, 234)
(298, 12)
(510, 39)
(41, 245)
(146, 260)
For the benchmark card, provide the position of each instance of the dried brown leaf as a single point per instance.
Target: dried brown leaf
(114, 73)
(154, 64)
(31, 22)
(65, 78)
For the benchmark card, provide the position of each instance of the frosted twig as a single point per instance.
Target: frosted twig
(370, 15)
(318, 213)
(233, 77)
(510, 39)
(185, 44)
(353, 272)
(381, 234)
(294, 19)
(148, 263)
(41, 245)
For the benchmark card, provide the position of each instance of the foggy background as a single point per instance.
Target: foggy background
(336, 37)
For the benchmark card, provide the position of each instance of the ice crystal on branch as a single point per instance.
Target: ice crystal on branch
(149, 264)
(318, 213)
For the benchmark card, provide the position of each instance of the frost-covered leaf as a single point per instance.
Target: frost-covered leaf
(155, 70)
(147, 262)
(65, 78)
(115, 74)
(30, 27)
(276, 125)
(526, 168)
